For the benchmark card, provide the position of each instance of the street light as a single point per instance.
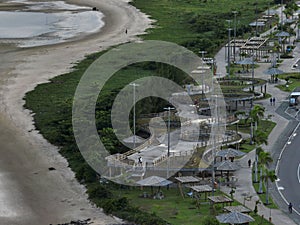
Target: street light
(234, 33)
(202, 79)
(256, 32)
(134, 136)
(168, 160)
(228, 57)
(202, 53)
(169, 114)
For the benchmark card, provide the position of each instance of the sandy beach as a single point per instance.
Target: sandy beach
(29, 192)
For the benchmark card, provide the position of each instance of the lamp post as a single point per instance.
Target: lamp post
(168, 162)
(202, 53)
(234, 33)
(134, 85)
(202, 79)
(169, 115)
(228, 57)
(256, 18)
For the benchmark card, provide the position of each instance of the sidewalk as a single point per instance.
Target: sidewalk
(244, 175)
(245, 189)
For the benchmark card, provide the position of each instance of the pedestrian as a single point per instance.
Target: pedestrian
(271, 101)
(126, 31)
(249, 163)
(140, 160)
(290, 207)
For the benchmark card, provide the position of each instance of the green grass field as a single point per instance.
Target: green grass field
(177, 210)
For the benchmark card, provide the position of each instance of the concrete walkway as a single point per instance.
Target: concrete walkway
(245, 192)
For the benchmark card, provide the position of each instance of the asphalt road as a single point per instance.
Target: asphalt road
(289, 173)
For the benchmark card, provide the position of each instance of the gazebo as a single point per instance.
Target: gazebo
(226, 166)
(234, 218)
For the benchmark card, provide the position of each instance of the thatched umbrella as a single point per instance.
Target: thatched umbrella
(230, 153)
(246, 61)
(273, 71)
(226, 166)
(154, 181)
(282, 35)
(234, 218)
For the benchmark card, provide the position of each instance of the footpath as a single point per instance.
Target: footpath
(244, 192)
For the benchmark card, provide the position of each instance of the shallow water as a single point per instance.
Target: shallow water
(44, 23)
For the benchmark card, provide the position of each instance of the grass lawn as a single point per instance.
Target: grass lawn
(294, 81)
(175, 209)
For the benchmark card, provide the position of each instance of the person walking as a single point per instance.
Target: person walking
(249, 163)
(290, 207)
(140, 161)
(271, 101)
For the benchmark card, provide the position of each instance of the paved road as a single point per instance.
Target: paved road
(289, 173)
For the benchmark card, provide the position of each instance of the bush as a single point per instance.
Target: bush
(97, 191)
(209, 220)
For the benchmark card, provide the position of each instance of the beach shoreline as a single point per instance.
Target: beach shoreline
(46, 197)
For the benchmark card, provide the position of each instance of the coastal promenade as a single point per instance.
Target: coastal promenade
(285, 124)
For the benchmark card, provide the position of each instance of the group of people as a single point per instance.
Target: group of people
(272, 101)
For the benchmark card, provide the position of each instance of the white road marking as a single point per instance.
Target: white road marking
(298, 175)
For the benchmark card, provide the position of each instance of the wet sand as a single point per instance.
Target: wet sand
(29, 192)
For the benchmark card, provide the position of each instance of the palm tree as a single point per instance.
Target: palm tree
(269, 175)
(277, 48)
(256, 113)
(264, 160)
(254, 116)
(260, 137)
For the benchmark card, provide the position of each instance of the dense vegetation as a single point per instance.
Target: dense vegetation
(200, 25)
(191, 23)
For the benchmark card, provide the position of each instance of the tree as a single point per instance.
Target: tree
(256, 114)
(260, 137)
(264, 160)
(269, 175)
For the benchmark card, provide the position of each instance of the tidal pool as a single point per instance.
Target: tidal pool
(44, 23)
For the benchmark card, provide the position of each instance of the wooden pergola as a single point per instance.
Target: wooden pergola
(220, 199)
(202, 189)
(186, 180)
